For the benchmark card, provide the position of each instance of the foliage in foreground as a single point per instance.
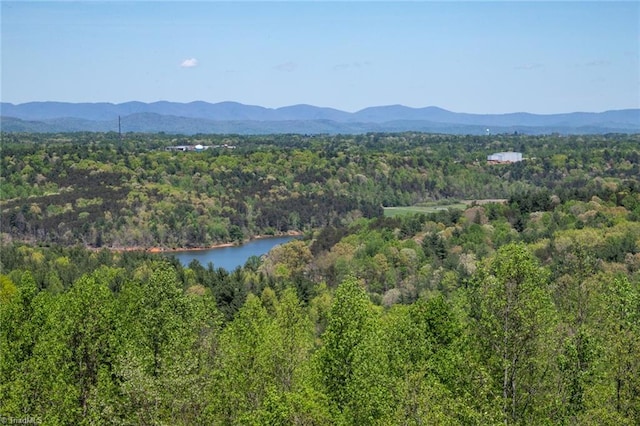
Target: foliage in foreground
(526, 333)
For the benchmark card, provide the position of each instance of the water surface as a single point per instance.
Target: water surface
(230, 258)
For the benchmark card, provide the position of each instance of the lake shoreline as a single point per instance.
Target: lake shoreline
(157, 249)
(230, 258)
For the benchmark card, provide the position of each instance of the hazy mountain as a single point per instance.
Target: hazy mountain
(233, 117)
(310, 112)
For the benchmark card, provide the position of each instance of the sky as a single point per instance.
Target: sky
(475, 57)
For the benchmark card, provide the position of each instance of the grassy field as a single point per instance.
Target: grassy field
(422, 208)
(435, 206)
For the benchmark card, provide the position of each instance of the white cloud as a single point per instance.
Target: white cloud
(189, 63)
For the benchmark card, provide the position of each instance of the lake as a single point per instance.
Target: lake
(230, 258)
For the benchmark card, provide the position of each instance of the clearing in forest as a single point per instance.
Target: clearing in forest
(434, 206)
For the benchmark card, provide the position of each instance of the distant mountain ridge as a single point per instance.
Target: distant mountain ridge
(233, 117)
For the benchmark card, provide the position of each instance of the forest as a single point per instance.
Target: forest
(521, 307)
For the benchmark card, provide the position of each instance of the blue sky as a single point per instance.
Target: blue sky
(480, 57)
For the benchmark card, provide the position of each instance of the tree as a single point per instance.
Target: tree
(351, 359)
(11, 317)
(294, 397)
(613, 396)
(166, 342)
(514, 317)
(575, 294)
(287, 261)
(244, 370)
(62, 368)
(294, 339)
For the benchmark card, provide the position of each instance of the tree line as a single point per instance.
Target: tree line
(97, 190)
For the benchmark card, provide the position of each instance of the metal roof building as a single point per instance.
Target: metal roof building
(505, 157)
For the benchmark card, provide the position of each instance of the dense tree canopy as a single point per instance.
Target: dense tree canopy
(525, 310)
(94, 190)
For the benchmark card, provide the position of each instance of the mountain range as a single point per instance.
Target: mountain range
(233, 117)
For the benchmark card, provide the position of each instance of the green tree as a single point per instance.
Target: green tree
(57, 378)
(613, 396)
(351, 359)
(576, 292)
(514, 317)
(287, 261)
(11, 316)
(245, 371)
(438, 378)
(167, 342)
(294, 398)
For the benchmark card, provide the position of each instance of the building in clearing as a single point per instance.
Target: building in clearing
(178, 148)
(196, 148)
(505, 157)
(185, 148)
